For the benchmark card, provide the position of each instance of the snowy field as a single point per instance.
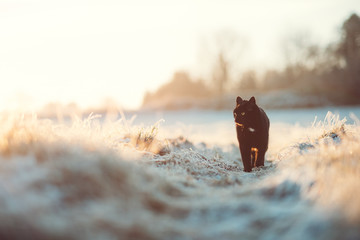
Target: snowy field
(179, 175)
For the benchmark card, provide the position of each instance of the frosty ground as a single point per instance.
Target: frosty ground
(143, 178)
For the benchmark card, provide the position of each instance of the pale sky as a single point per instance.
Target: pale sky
(84, 51)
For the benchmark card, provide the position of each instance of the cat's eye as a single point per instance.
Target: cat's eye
(243, 113)
(235, 114)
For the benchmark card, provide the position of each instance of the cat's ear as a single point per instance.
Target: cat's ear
(238, 100)
(252, 100)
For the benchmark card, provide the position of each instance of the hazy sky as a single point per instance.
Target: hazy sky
(86, 50)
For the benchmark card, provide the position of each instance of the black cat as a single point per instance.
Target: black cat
(252, 128)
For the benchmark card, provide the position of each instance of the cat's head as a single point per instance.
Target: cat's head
(245, 110)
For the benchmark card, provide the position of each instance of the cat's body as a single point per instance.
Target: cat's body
(252, 128)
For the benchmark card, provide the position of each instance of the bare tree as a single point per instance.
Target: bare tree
(248, 80)
(300, 51)
(304, 60)
(224, 53)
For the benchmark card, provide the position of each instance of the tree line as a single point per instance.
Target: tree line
(332, 71)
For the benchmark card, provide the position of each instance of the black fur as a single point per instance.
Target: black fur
(252, 128)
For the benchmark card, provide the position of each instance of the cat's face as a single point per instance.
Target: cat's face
(244, 111)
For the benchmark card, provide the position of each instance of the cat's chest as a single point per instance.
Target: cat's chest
(246, 130)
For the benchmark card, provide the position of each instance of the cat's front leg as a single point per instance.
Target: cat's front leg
(261, 158)
(246, 158)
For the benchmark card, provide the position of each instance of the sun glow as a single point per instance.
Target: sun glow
(84, 52)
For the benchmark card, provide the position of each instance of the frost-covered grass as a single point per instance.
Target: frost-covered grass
(114, 180)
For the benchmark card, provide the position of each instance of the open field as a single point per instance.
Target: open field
(104, 178)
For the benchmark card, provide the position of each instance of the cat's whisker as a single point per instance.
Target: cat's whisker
(239, 124)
